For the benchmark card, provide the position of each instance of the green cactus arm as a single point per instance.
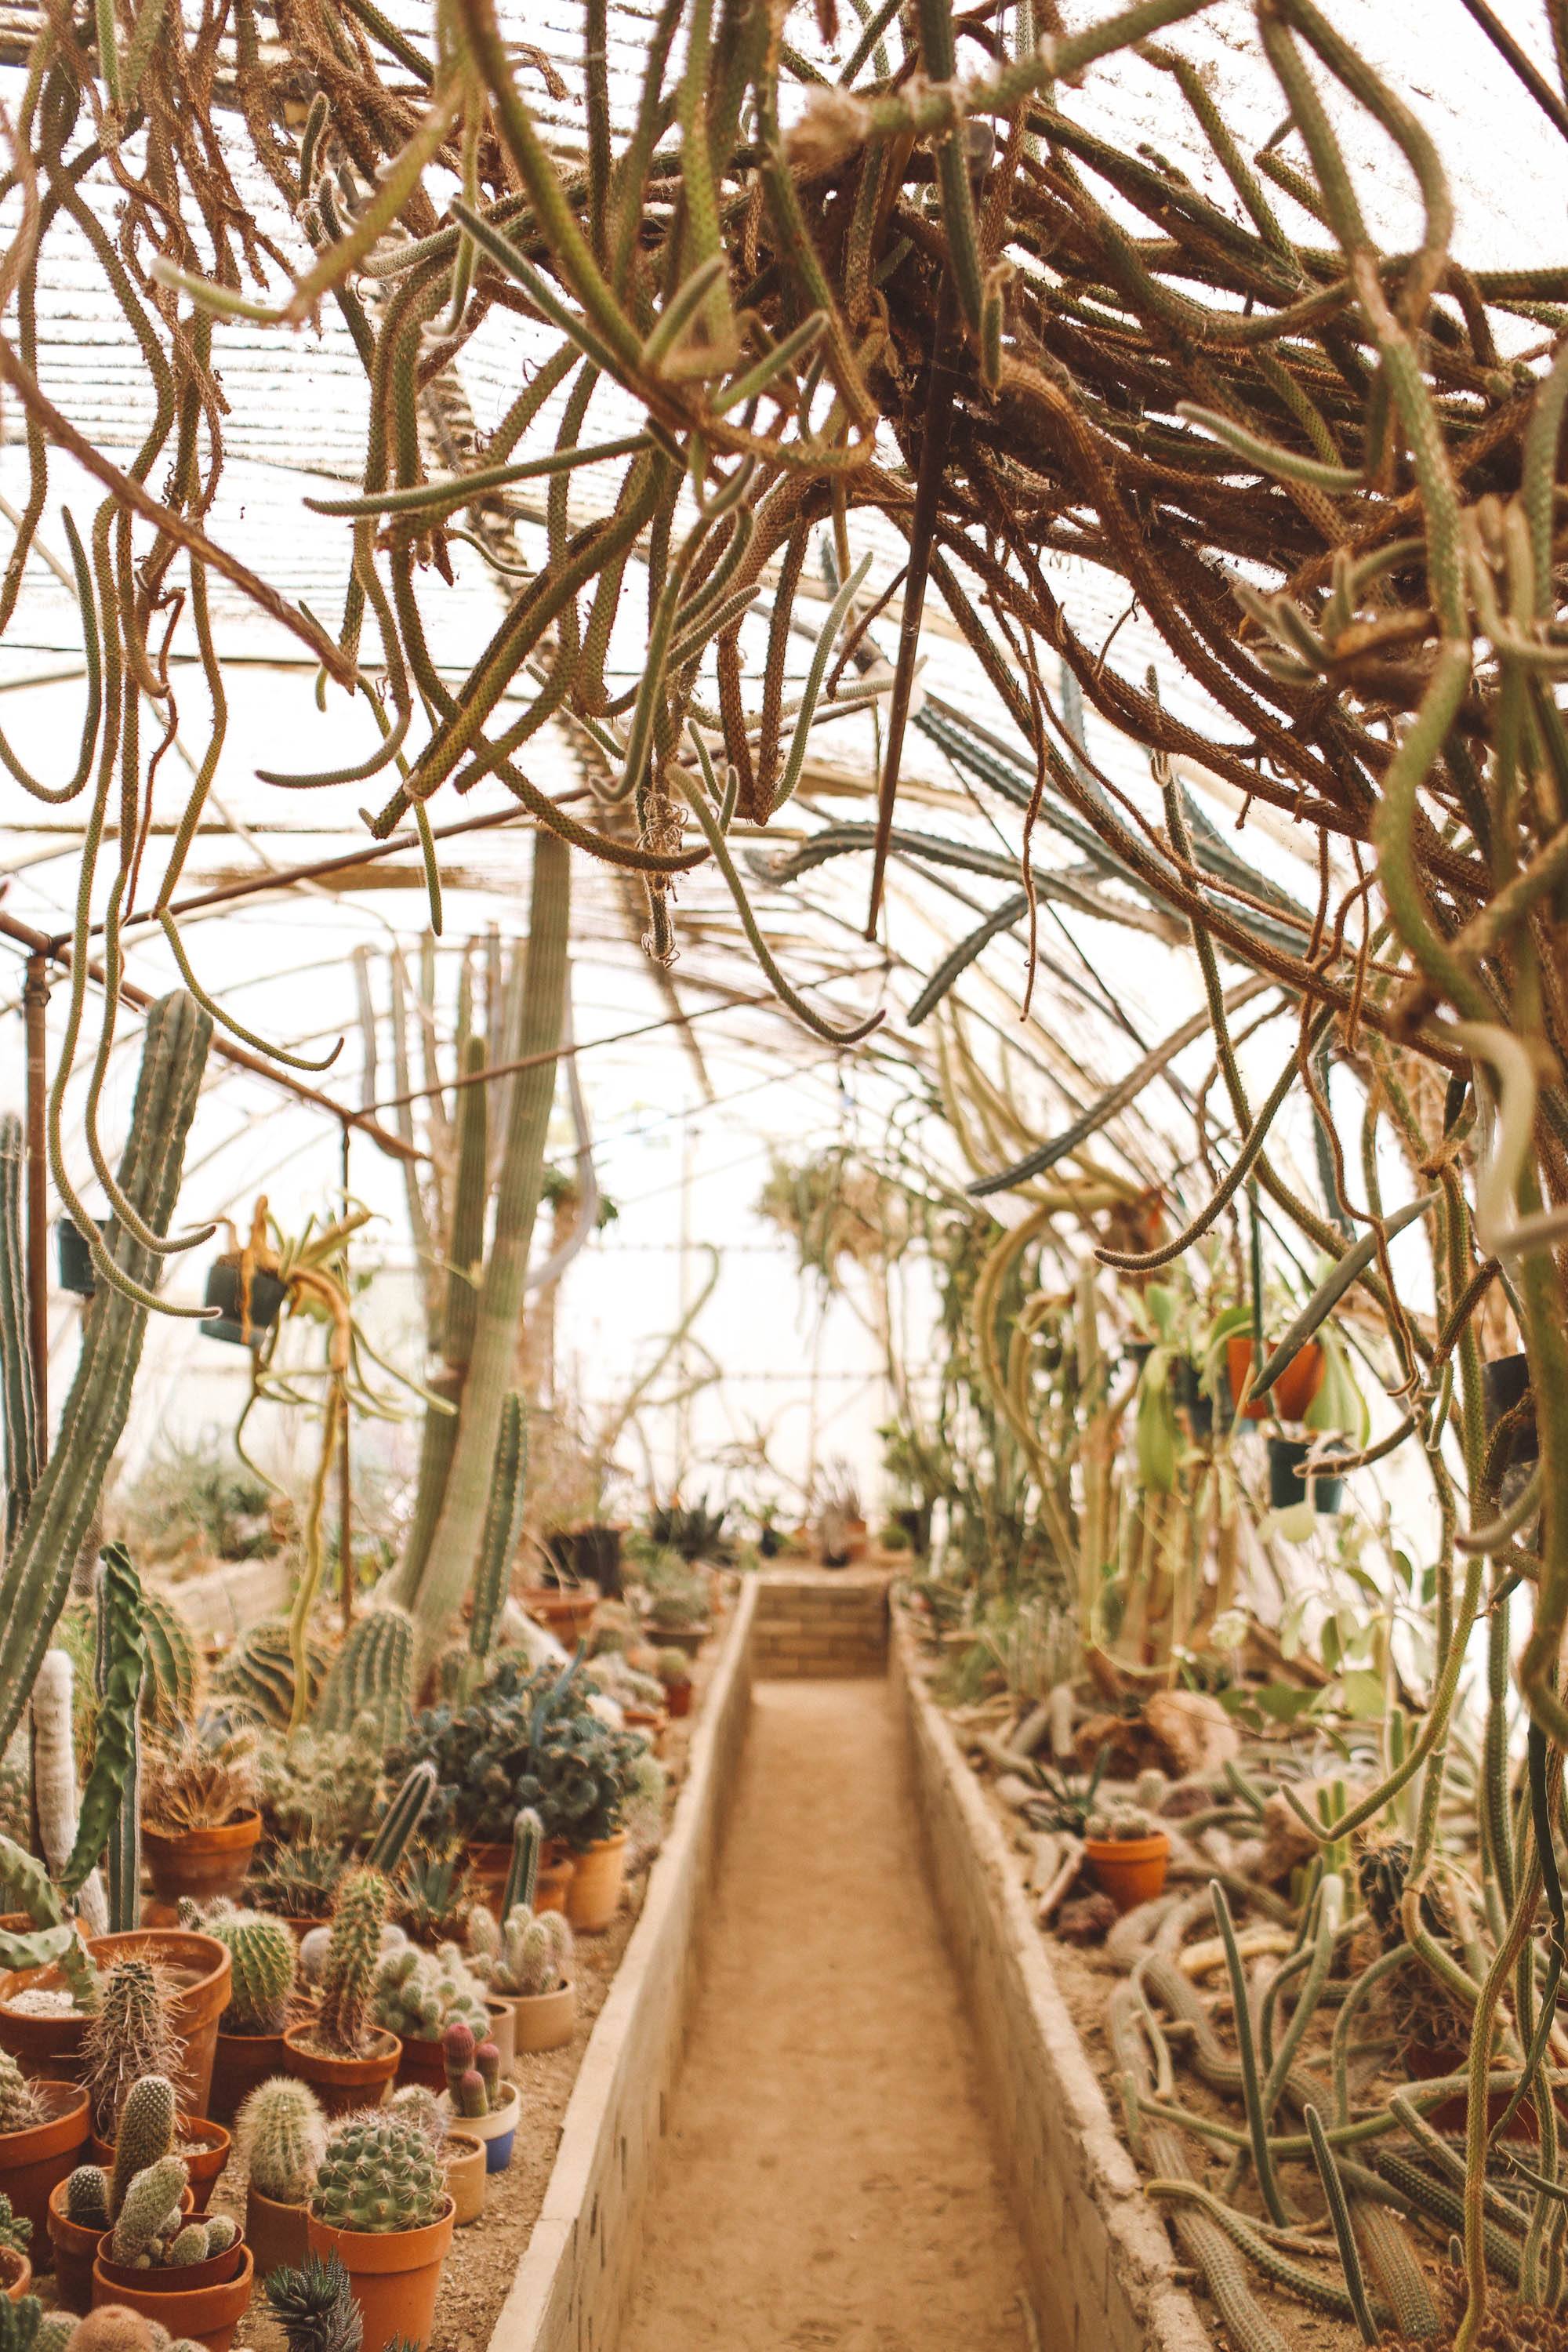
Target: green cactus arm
(523, 1875)
(402, 1815)
(503, 1524)
(108, 1815)
(37, 1574)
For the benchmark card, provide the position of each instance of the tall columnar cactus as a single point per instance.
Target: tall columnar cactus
(504, 1525)
(372, 1673)
(37, 1574)
(145, 2135)
(18, 1386)
(433, 1587)
(522, 1876)
(56, 1799)
(263, 1961)
(380, 2172)
(404, 1811)
(282, 2134)
(352, 1953)
(111, 1808)
(172, 1683)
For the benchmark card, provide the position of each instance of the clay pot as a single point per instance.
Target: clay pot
(274, 2232)
(503, 2029)
(688, 1638)
(567, 1614)
(75, 2247)
(498, 2131)
(203, 2172)
(241, 2061)
(466, 2176)
(213, 2272)
(41, 2046)
(491, 1866)
(32, 2162)
(677, 1699)
(200, 1967)
(343, 2084)
(200, 1863)
(422, 2062)
(1130, 1870)
(395, 2274)
(593, 1896)
(208, 2315)
(16, 2273)
(545, 2021)
(651, 1721)
(1294, 1390)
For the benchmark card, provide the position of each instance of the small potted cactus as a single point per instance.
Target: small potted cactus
(381, 2204)
(190, 2274)
(476, 2098)
(199, 1818)
(16, 2265)
(1128, 1854)
(43, 2126)
(462, 2154)
(282, 2136)
(150, 2125)
(416, 1996)
(673, 1668)
(529, 1963)
(89, 2202)
(265, 1960)
(341, 2051)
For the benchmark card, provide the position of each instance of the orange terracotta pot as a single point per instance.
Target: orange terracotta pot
(75, 2249)
(41, 2046)
(568, 1614)
(216, 2271)
(503, 2029)
(275, 2232)
(651, 1721)
(200, 1863)
(489, 1867)
(677, 1699)
(241, 2061)
(16, 2273)
(395, 2274)
(208, 2315)
(423, 2063)
(200, 1970)
(593, 1896)
(1294, 1390)
(343, 2084)
(33, 2162)
(203, 2170)
(1130, 1870)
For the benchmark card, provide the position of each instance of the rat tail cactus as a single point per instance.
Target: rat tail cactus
(353, 1950)
(146, 2135)
(379, 2173)
(283, 2135)
(265, 1960)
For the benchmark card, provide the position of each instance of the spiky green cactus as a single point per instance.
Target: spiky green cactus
(25, 2326)
(282, 2134)
(87, 2197)
(535, 1953)
(111, 1803)
(190, 2245)
(37, 1574)
(257, 1677)
(402, 1818)
(264, 1961)
(130, 2041)
(372, 1673)
(379, 2173)
(172, 1685)
(418, 1994)
(146, 2135)
(352, 1955)
(151, 2199)
(315, 2306)
(504, 1525)
(19, 2106)
(522, 1876)
(18, 1386)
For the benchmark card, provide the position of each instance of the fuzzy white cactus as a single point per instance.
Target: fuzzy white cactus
(55, 1781)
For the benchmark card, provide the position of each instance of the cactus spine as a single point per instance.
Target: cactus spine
(380, 2172)
(372, 1673)
(283, 2134)
(504, 1525)
(173, 1680)
(353, 1952)
(522, 1876)
(37, 1574)
(19, 1388)
(145, 2135)
(265, 1960)
(404, 1813)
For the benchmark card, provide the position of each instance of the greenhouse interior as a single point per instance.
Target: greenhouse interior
(784, 1175)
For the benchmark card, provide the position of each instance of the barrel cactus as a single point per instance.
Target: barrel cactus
(379, 2173)
(264, 1961)
(282, 2134)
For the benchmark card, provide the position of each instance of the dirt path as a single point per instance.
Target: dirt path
(827, 2183)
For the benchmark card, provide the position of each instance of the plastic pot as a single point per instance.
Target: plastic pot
(1130, 1870)
(224, 1291)
(466, 2176)
(215, 2272)
(497, 2131)
(33, 2162)
(1287, 1487)
(490, 1866)
(545, 2021)
(16, 2273)
(208, 2315)
(241, 2061)
(275, 2232)
(1504, 1384)
(395, 2274)
(593, 1897)
(76, 1268)
(200, 1863)
(343, 2084)
(203, 2170)
(203, 1975)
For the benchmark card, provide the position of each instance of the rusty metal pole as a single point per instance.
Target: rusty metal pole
(35, 997)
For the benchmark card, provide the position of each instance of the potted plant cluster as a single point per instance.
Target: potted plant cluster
(416, 1996)
(1128, 1853)
(264, 1964)
(526, 1958)
(190, 2273)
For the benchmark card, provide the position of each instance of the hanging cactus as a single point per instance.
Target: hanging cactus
(38, 1571)
(18, 1386)
(372, 1673)
(282, 2134)
(402, 1818)
(523, 1875)
(352, 1953)
(504, 1525)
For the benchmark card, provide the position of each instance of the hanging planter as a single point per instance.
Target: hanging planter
(239, 1321)
(74, 1257)
(1288, 1487)
(1505, 1384)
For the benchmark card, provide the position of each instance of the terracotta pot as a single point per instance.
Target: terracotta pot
(395, 2274)
(200, 1863)
(241, 2061)
(203, 2172)
(677, 1699)
(498, 2131)
(202, 1972)
(343, 2084)
(1130, 1870)
(567, 1614)
(41, 2046)
(208, 2315)
(651, 1721)
(503, 2029)
(491, 1866)
(16, 2273)
(688, 1638)
(75, 2247)
(422, 2062)
(213, 2272)
(274, 2232)
(545, 2021)
(593, 1896)
(466, 2176)
(33, 2162)
(1294, 1390)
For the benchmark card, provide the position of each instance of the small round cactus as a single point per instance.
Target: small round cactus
(283, 2133)
(1117, 1823)
(87, 2197)
(380, 2172)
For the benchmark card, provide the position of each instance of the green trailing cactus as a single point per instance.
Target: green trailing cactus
(111, 1802)
(504, 1525)
(380, 2172)
(131, 2044)
(264, 1959)
(282, 2134)
(353, 1953)
(372, 1675)
(18, 1386)
(523, 1875)
(19, 2106)
(314, 2305)
(145, 2135)
(37, 1574)
(402, 1815)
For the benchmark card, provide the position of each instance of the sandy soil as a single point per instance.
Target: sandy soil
(827, 2184)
